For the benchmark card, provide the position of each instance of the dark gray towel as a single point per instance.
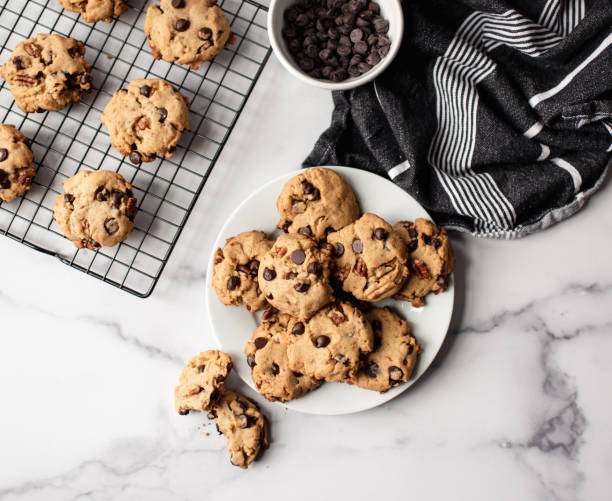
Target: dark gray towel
(495, 115)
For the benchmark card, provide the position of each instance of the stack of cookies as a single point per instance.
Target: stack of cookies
(316, 283)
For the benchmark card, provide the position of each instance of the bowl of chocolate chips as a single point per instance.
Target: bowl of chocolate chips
(335, 44)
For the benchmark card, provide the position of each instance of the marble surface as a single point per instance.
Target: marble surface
(516, 406)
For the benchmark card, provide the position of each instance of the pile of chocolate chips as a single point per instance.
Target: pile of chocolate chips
(336, 39)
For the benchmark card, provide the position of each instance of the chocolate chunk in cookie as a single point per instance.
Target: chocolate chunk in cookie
(16, 163)
(202, 381)
(97, 209)
(236, 268)
(188, 31)
(315, 203)
(47, 73)
(430, 257)
(370, 258)
(294, 276)
(246, 429)
(395, 352)
(330, 345)
(266, 354)
(146, 119)
(95, 10)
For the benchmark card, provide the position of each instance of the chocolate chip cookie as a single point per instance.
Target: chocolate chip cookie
(266, 354)
(246, 429)
(235, 270)
(16, 163)
(315, 203)
(47, 73)
(430, 257)
(187, 31)
(146, 119)
(95, 10)
(202, 381)
(98, 209)
(370, 258)
(395, 352)
(294, 276)
(331, 344)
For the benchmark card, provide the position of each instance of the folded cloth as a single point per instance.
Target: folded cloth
(495, 115)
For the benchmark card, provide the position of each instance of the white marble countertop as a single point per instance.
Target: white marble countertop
(516, 407)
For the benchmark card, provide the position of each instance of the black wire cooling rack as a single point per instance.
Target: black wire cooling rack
(67, 141)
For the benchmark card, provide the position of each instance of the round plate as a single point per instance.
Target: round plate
(233, 325)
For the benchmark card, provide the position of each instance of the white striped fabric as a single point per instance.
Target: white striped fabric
(456, 74)
(398, 169)
(571, 170)
(608, 127)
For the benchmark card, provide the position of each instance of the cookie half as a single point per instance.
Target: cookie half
(202, 381)
(47, 73)
(146, 119)
(395, 352)
(370, 258)
(16, 163)
(246, 429)
(97, 209)
(316, 202)
(187, 31)
(294, 276)
(330, 345)
(430, 257)
(266, 354)
(235, 270)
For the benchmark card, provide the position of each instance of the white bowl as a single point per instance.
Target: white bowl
(391, 10)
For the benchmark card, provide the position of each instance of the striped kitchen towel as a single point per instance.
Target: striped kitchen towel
(495, 115)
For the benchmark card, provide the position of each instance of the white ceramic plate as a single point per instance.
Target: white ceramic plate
(233, 326)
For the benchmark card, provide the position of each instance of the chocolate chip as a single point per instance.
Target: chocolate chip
(356, 35)
(201, 368)
(307, 187)
(260, 342)
(372, 369)
(178, 4)
(219, 379)
(182, 25)
(18, 62)
(361, 47)
(435, 242)
(322, 341)
(301, 20)
(117, 198)
(373, 58)
(253, 265)
(380, 233)
(111, 225)
(184, 413)
(5, 183)
(297, 374)
(316, 194)
(442, 282)
(338, 75)
(364, 67)
(258, 291)
(395, 373)
(85, 79)
(145, 91)
(68, 198)
(291, 275)
(298, 329)
(101, 194)
(269, 274)
(135, 157)
(410, 349)
(411, 247)
(298, 256)
(305, 230)
(344, 50)
(163, 114)
(338, 249)
(313, 268)
(306, 64)
(381, 25)
(3, 154)
(233, 282)
(301, 287)
(246, 421)
(357, 246)
(251, 360)
(383, 51)
(275, 370)
(376, 325)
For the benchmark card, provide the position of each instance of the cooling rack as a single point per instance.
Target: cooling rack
(72, 139)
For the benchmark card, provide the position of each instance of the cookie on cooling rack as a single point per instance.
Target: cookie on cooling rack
(95, 10)
(98, 209)
(47, 73)
(146, 119)
(16, 163)
(187, 31)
